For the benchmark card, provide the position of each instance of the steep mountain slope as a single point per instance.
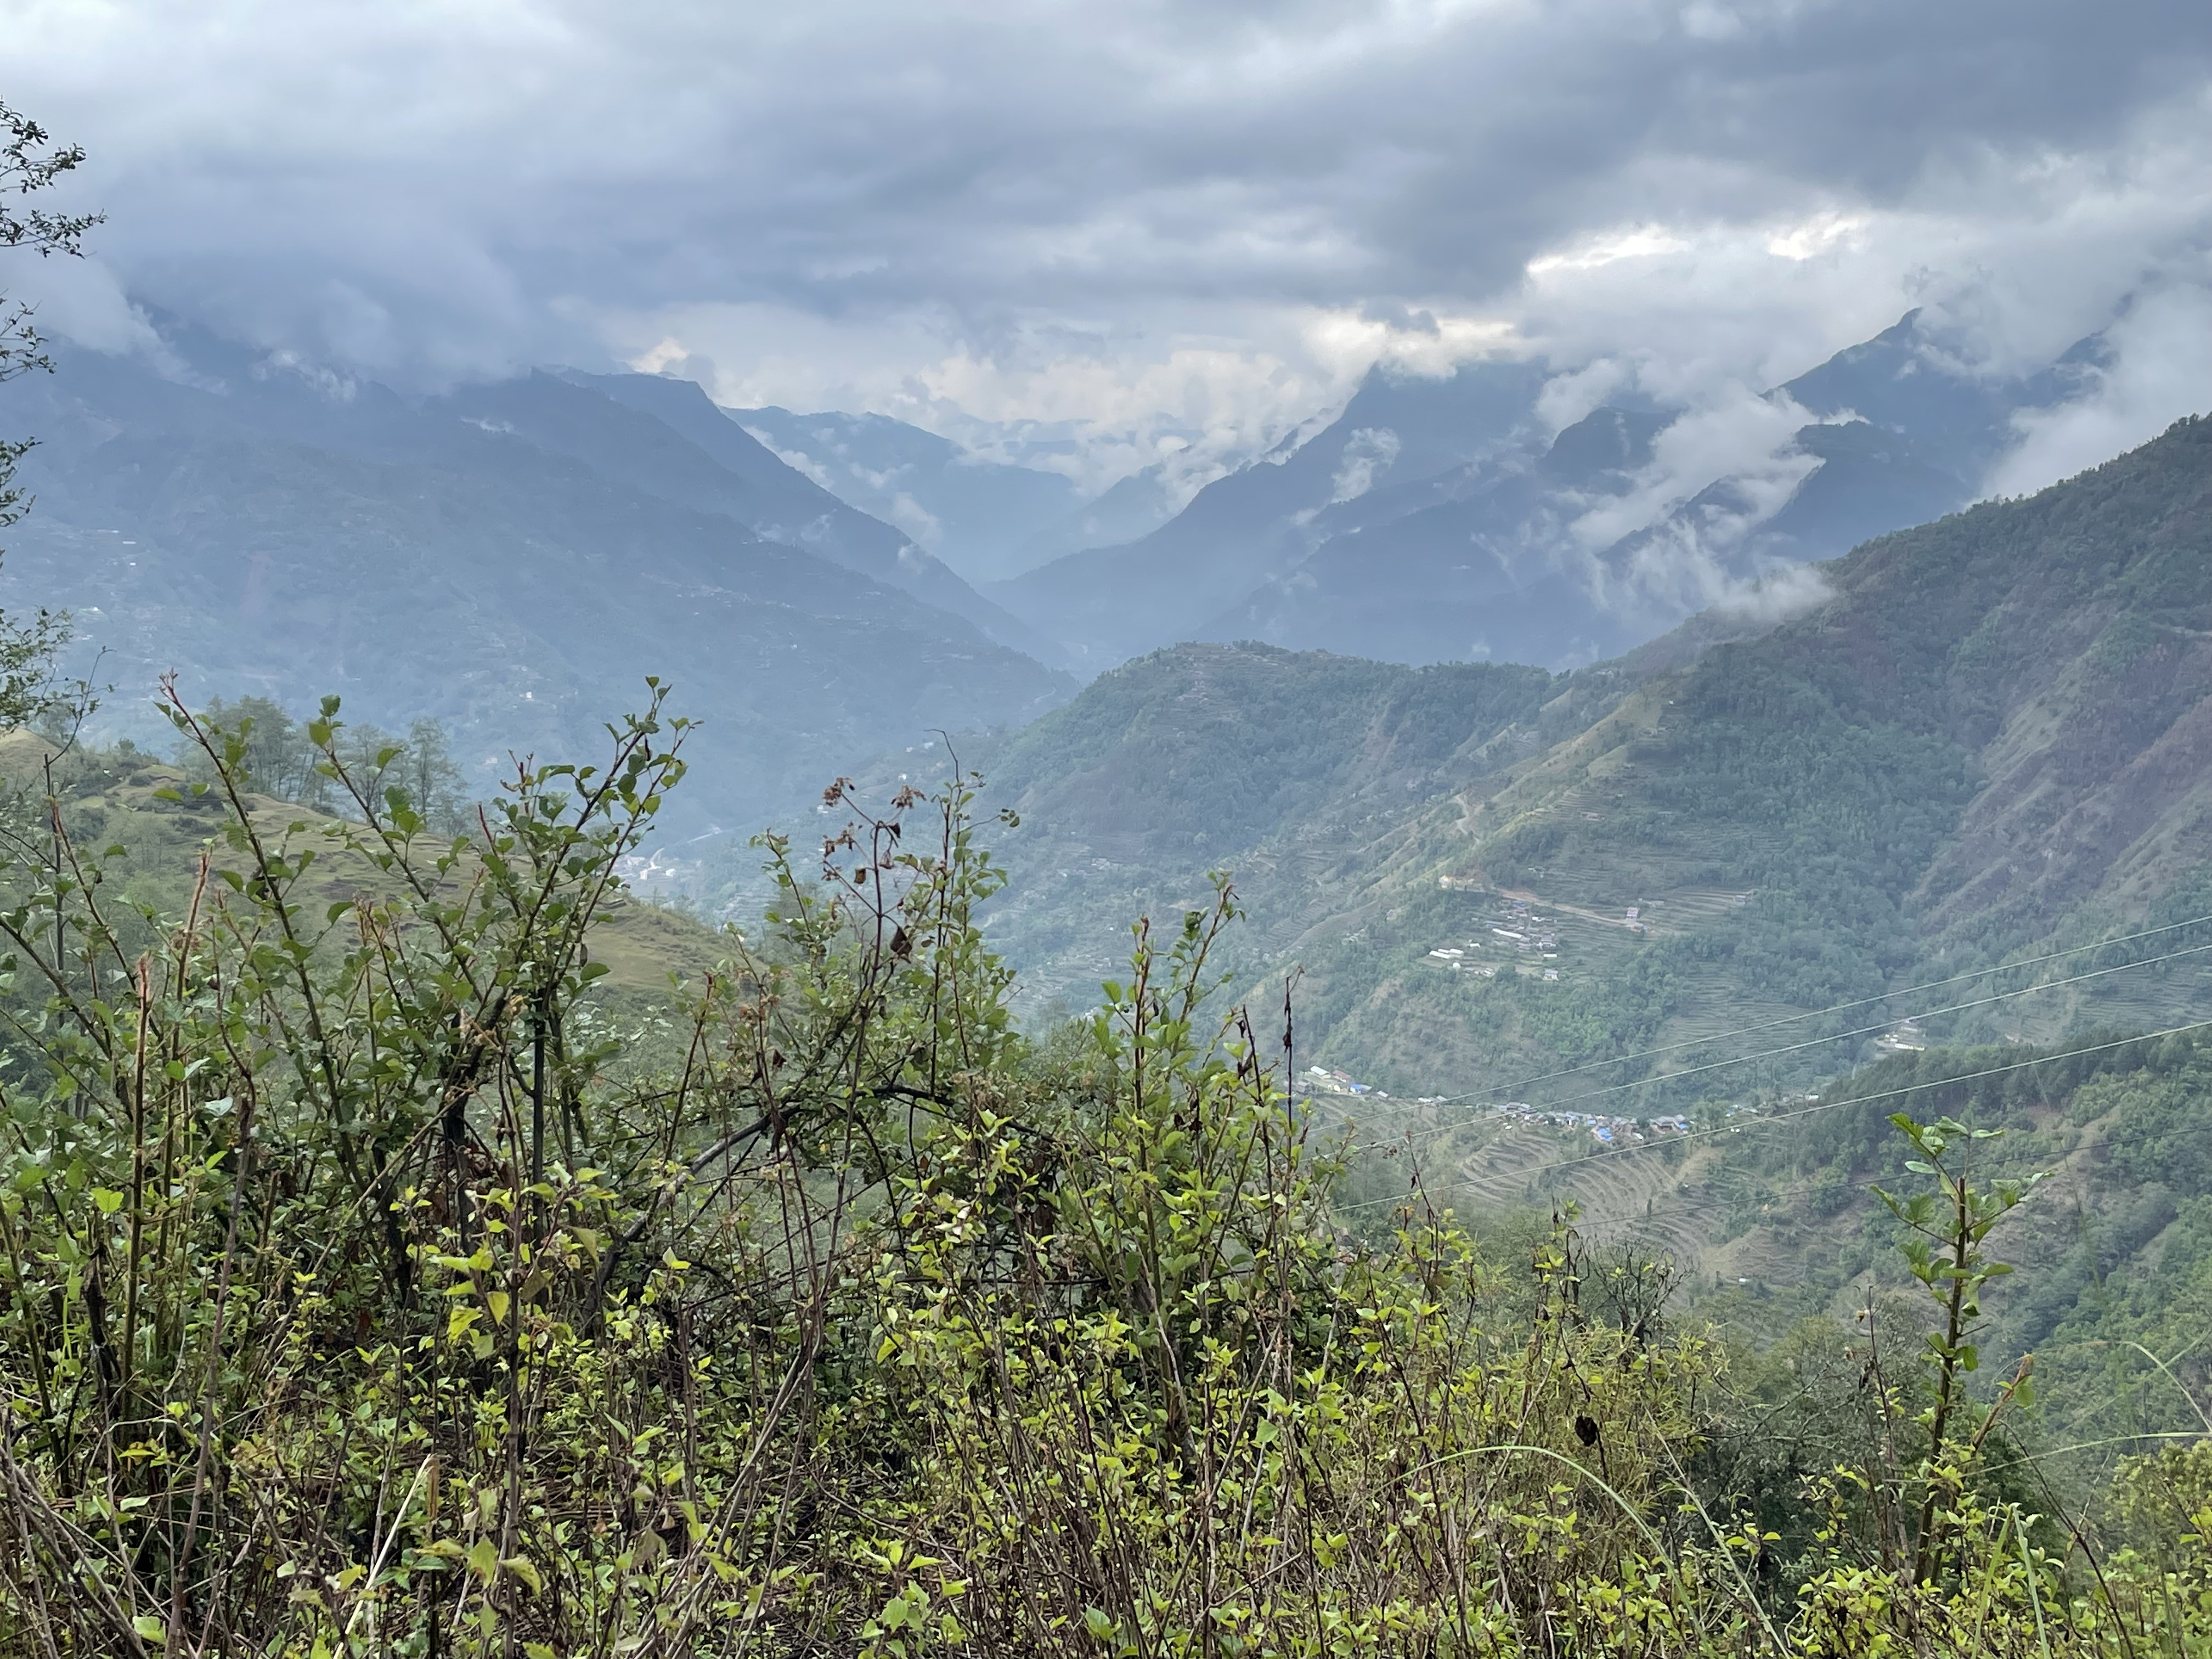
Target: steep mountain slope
(1291, 770)
(512, 561)
(666, 438)
(1991, 731)
(1112, 602)
(1211, 747)
(980, 516)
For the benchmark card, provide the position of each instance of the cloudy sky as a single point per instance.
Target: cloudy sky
(1148, 225)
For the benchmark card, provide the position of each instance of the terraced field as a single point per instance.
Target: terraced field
(1476, 1163)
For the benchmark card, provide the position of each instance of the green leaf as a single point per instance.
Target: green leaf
(523, 1568)
(483, 1559)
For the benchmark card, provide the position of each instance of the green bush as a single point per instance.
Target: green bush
(379, 1284)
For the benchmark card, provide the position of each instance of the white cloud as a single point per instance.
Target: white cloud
(2161, 370)
(1365, 449)
(1777, 596)
(1568, 397)
(1645, 242)
(82, 299)
(917, 520)
(797, 461)
(1107, 238)
(1095, 404)
(1816, 235)
(1740, 436)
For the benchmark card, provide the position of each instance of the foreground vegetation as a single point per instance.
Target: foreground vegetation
(377, 1281)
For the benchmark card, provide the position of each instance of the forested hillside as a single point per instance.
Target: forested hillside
(441, 1290)
(1289, 768)
(1986, 736)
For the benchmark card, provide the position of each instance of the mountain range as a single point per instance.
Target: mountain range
(1986, 736)
(1452, 517)
(511, 559)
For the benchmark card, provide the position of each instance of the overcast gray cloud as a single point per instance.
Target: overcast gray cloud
(1148, 226)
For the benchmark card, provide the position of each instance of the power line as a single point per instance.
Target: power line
(1843, 1007)
(1810, 1043)
(1677, 1202)
(1586, 1158)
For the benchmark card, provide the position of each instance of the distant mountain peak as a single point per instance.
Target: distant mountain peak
(1439, 517)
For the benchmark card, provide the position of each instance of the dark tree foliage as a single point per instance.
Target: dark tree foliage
(30, 161)
(280, 759)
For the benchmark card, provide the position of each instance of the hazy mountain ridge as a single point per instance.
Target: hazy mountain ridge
(1114, 603)
(513, 560)
(665, 437)
(1448, 520)
(983, 516)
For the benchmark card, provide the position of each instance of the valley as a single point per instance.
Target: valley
(1814, 812)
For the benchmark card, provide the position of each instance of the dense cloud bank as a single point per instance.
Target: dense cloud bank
(1098, 238)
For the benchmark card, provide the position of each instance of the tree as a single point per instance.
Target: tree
(30, 161)
(433, 778)
(277, 756)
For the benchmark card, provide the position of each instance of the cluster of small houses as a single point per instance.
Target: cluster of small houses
(1529, 936)
(1604, 1128)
